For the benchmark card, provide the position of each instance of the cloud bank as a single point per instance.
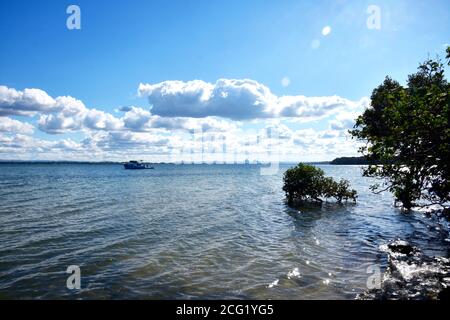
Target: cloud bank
(11, 125)
(222, 111)
(237, 100)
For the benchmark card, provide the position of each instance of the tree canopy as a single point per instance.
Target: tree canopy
(306, 182)
(407, 134)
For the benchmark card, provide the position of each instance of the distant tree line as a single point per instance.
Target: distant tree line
(351, 161)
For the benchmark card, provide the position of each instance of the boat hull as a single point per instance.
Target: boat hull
(136, 167)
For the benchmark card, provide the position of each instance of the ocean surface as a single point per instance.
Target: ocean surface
(191, 232)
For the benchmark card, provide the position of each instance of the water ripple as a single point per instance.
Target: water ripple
(189, 232)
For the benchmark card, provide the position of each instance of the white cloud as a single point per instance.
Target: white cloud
(58, 123)
(343, 121)
(140, 120)
(136, 119)
(24, 143)
(236, 100)
(31, 101)
(170, 128)
(99, 120)
(66, 144)
(87, 119)
(121, 140)
(11, 125)
(56, 115)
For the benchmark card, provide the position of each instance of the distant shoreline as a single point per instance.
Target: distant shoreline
(350, 161)
(156, 163)
(337, 161)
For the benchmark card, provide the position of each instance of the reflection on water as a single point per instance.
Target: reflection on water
(185, 231)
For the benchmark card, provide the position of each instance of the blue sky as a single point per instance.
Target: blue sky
(123, 44)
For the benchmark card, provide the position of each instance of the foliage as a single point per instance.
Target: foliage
(407, 132)
(306, 182)
(350, 161)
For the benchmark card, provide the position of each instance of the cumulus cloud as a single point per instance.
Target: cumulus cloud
(58, 123)
(11, 125)
(179, 110)
(279, 130)
(343, 121)
(124, 143)
(31, 101)
(73, 115)
(99, 120)
(25, 143)
(67, 114)
(136, 119)
(237, 100)
(139, 120)
(176, 105)
(86, 119)
(56, 115)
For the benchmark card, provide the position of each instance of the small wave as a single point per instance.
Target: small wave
(273, 284)
(295, 273)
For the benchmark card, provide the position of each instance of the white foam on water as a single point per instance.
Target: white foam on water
(273, 284)
(295, 273)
